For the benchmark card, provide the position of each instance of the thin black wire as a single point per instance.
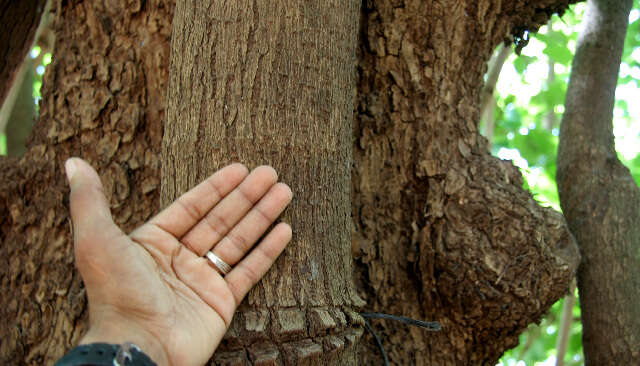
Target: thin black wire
(432, 326)
(378, 341)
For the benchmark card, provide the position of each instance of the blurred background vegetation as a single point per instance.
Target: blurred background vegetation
(522, 124)
(521, 115)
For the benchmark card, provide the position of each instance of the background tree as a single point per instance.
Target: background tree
(440, 229)
(22, 111)
(598, 194)
(526, 97)
(23, 22)
(20, 20)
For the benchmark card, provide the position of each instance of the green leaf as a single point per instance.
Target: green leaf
(558, 53)
(3, 144)
(522, 62)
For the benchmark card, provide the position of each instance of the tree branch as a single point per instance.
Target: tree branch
(565, 325)
(20, 20)
(495, 66)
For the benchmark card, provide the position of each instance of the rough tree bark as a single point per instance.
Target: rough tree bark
(103, 99)
(443, 230)
(439, 229)
(598, 195)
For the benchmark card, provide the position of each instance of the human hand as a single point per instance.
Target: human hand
(153, 287)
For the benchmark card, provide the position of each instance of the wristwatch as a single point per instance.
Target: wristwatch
(105, 354)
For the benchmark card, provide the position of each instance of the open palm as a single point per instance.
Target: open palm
(153, 287)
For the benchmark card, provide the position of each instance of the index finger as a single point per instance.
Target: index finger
(189, 208)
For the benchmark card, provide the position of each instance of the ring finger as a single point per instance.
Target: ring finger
(226, 214)
(239, 241)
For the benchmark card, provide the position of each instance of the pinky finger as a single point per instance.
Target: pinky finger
(250, 270)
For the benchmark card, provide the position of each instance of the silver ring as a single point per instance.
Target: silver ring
(219, 263)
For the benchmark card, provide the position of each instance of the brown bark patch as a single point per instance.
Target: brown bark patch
(103, 100)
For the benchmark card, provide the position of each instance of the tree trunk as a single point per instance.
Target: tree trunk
(103, 99)
(444, 231)
(598, 195)
(439, 229)
(277, 97)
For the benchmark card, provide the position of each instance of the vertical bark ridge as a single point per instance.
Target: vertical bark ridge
(443, 231)
(264, 82)
(598, 195)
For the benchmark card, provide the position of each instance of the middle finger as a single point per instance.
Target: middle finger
(235, 245)
(224, 216)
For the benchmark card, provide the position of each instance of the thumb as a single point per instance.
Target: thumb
(90, 213)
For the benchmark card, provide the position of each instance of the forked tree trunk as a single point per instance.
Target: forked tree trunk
(598, 194)
(440, 229)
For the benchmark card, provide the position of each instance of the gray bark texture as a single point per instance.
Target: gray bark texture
(599, 197)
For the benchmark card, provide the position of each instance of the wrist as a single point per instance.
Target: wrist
(119, 333)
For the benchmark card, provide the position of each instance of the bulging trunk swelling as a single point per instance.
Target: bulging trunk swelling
(443, 231)
(440, 230)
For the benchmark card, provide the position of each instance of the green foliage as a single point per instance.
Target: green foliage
(42, 61)
(3, 144)
(529, 106)
(538, 344)
(40, 64)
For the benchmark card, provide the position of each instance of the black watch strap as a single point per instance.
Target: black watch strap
(105, 354)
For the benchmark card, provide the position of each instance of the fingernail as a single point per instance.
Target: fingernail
(70, 168)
